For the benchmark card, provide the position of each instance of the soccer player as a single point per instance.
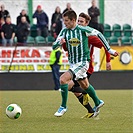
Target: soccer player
(76, 38)
(83, 97)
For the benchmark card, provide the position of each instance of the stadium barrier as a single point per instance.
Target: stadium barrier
(44, 81)
(27, 68)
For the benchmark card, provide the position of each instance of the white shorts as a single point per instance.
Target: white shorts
(80, 69)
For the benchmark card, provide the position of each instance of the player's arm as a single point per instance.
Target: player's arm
(108, 64)
(91, 32)
(105, 43)
(58, 43)
(107, 55)
(95, 42)
(64, 47)
(91, 68)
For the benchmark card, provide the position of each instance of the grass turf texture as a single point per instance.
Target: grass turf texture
(38, 108)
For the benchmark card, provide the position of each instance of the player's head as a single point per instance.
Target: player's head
(83, 19)
(69, 19)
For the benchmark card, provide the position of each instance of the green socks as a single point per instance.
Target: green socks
(91, 91)
(64, 94)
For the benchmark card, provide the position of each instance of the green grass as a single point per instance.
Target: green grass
(39, 106)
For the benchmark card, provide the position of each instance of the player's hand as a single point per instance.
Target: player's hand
(113, 52)
(116, 54)
(108, 66)
(62, 41)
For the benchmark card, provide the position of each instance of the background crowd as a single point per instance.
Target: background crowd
(19, 33)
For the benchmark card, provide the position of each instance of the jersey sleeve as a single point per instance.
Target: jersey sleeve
(107, 55)
(91, 68)
(95, 41)
(93, 32)
(57, 43)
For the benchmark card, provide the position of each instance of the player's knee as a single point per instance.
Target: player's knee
(77, 94)
(85, 85)
(62, 80)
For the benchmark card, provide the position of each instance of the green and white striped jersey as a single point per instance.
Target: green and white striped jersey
(77, 42)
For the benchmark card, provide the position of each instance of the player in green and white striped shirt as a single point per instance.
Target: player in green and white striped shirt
(77, 42)
(76, 38)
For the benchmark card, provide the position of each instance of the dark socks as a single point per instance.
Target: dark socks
(78, 89)
(88, 107)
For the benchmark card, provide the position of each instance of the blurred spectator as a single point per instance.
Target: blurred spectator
(56, 23)
(68, 7)
(42, 21)
(94, 12)
(8, 32)
(23, 13)
(55, 63)
(23, 30)
(2, 21)
(3, 13)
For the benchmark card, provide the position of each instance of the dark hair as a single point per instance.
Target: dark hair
(8, 16)
(56, 9)
(87, 17)
(70, 14)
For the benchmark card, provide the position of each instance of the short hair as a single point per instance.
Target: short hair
(70, 14)
(23, 10)
(8, 16)
(87, 17)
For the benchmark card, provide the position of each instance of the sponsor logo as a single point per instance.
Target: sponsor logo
(74, 42)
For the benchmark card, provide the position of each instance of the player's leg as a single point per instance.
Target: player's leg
(85, 97)
(64, 80)
(101, 102)
(80, 72)
(75, 87)
(82, 96)
(82, 79)
(91, 91)
(91, 112)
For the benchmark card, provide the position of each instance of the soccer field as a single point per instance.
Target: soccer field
(39, 106)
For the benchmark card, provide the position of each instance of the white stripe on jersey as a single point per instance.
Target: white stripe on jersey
(67, 40)
(71, 34)
(81, 38)
(68, 46)
(76, 36)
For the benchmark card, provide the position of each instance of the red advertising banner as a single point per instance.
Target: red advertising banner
(28, 59)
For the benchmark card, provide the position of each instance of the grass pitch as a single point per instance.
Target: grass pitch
(39, 106)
